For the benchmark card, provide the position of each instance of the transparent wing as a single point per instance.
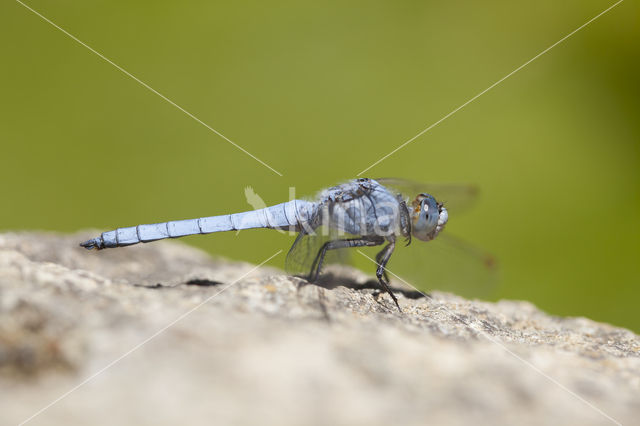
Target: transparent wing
(307, 246)
(446, 264)
(303, 252)
(456, 197)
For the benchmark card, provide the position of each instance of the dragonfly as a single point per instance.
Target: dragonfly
(361, 213)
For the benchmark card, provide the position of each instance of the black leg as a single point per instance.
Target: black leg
(379, 259)
(338, 244)
(381, 273)
(405, 220)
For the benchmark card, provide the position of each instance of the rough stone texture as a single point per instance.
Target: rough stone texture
(202, 347)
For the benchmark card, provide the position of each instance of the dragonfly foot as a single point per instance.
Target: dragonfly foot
(386, 289)
(393, 296)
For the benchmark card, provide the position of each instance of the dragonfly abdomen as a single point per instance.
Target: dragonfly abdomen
(281, 216)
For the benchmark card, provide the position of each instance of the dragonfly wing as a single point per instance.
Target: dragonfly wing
(456, 197)
(447, 264)
(301, 254)
(307, 246)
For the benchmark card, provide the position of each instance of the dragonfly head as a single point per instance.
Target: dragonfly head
(428, 217)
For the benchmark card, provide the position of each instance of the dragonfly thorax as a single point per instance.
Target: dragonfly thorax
(428, 217)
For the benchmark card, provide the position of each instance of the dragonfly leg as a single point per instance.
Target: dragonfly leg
(338, 244)
(383, 258)
(379, 259)
(405, 220)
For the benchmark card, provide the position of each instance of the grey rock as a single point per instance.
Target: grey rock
(163, 334)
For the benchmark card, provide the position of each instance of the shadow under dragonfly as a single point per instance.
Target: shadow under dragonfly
(331, 280)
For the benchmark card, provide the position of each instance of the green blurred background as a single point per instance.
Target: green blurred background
(321, 91)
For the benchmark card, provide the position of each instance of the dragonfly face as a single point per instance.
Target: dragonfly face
(428, 217)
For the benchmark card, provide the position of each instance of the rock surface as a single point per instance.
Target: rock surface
(164, 334)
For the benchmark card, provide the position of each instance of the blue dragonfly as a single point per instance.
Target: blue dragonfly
(358, 213)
